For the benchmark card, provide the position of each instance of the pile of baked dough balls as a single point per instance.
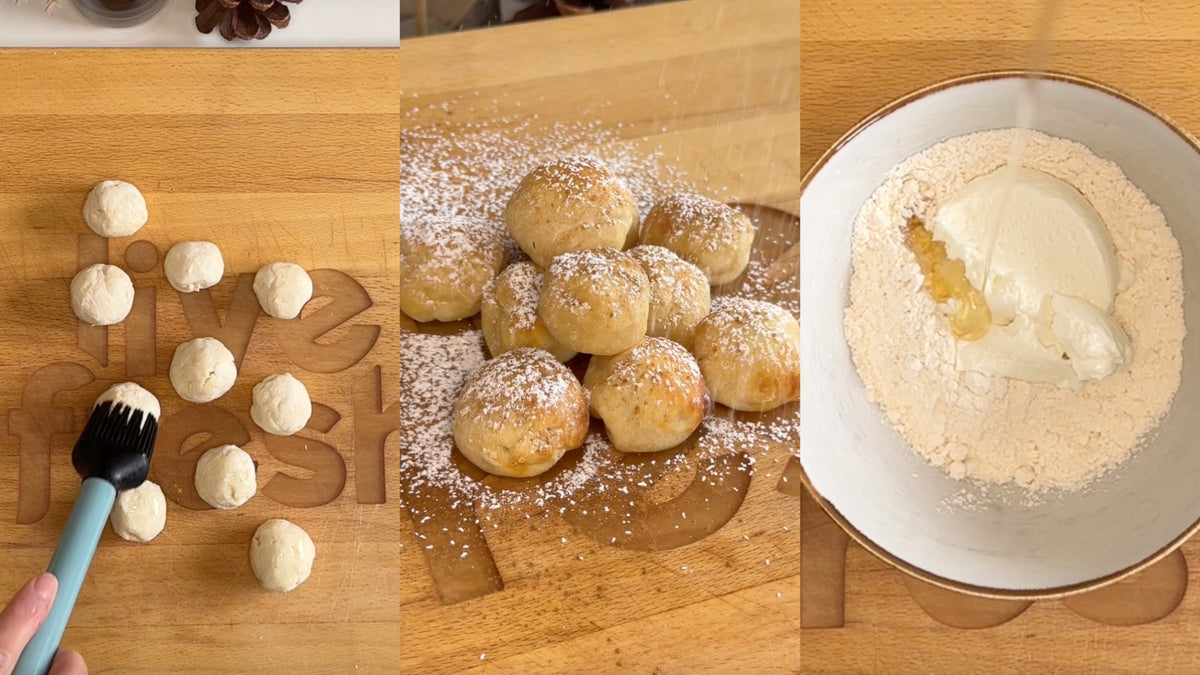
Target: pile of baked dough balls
(632, 294)
(202, 370)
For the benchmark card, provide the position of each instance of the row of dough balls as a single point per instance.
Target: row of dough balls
(281, 553)
(569, 205)
(203, 370)
(520, 412)
(102, 294)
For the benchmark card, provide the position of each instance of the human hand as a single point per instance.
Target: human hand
(21, 619)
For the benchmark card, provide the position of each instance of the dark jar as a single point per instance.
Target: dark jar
(118, 13)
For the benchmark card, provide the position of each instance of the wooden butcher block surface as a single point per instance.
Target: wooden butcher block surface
(274, 156)
(859, 614)
(688, 566)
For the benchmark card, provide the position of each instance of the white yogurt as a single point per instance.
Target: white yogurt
(1054, 275)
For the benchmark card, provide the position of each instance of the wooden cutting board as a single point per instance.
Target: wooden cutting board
(714, 86)
(276, 155)
(859, 614)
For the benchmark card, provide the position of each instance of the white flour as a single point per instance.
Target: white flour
(993, 429)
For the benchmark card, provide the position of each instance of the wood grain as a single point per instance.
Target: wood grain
(714, 86)
(855, 58)
(273, 156)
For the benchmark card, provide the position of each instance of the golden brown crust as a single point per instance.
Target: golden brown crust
(571, 204)
(519, 413)
(713, 236)
(445, 262)
(749, 352)
(509, 313)
(651, 396)
(679, 293)
(595, 301)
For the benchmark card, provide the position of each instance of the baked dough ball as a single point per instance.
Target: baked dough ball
(519, 413)
(445, 262)
(283, 289)
(281, 555)
(571, 204)
(651, 397)
(101, 295)
(749, 352)
(202, 370)
(194, 265)
(509, 313)
(596, 301)
(115, 208)
(679, 294)
(139, 513)
(715, 237)
(225, 477)
(281, 405)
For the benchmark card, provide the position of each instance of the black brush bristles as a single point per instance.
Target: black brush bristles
(116, 445)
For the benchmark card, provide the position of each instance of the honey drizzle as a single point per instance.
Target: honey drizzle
(946, 278)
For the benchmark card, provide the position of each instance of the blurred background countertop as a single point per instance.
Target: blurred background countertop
(344, 23)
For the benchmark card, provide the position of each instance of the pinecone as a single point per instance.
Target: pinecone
(242, 19)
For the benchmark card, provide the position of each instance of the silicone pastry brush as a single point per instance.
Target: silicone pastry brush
(111, 455)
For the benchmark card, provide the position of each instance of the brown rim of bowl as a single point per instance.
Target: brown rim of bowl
(970, 589)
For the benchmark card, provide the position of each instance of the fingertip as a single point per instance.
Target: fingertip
(45, 585)
(68, 662)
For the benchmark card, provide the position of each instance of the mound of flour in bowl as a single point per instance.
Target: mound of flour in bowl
(995, 429)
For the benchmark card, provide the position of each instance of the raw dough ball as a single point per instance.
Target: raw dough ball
(282, 289)
(509, 313)
(749, 352)
(134, 397)
(518, 413)
(281, 405)
(193, 265)
(715, 237)
(595, 302)
(571, 204)
(281, 555)
(445, 262)
(101, 295)
(679, 294)
(225, 477)
(651, 397)
(140, 513)
(202, 370)
(115, 208)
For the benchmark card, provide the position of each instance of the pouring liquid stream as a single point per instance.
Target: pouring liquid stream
(1026, 106)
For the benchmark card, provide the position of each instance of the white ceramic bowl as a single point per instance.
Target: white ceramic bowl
(862, 471)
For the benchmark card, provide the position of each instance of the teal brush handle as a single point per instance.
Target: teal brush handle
(69, 565)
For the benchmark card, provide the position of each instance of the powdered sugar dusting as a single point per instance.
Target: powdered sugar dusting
(655, 362)
(523, 281)
(452, 240)
(603, 275)
(704, 224)
(577, 175)
(741, 326)
(517, 384)
(433, 369)
(471, 169)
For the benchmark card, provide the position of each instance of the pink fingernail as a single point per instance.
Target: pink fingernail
(45, 585)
